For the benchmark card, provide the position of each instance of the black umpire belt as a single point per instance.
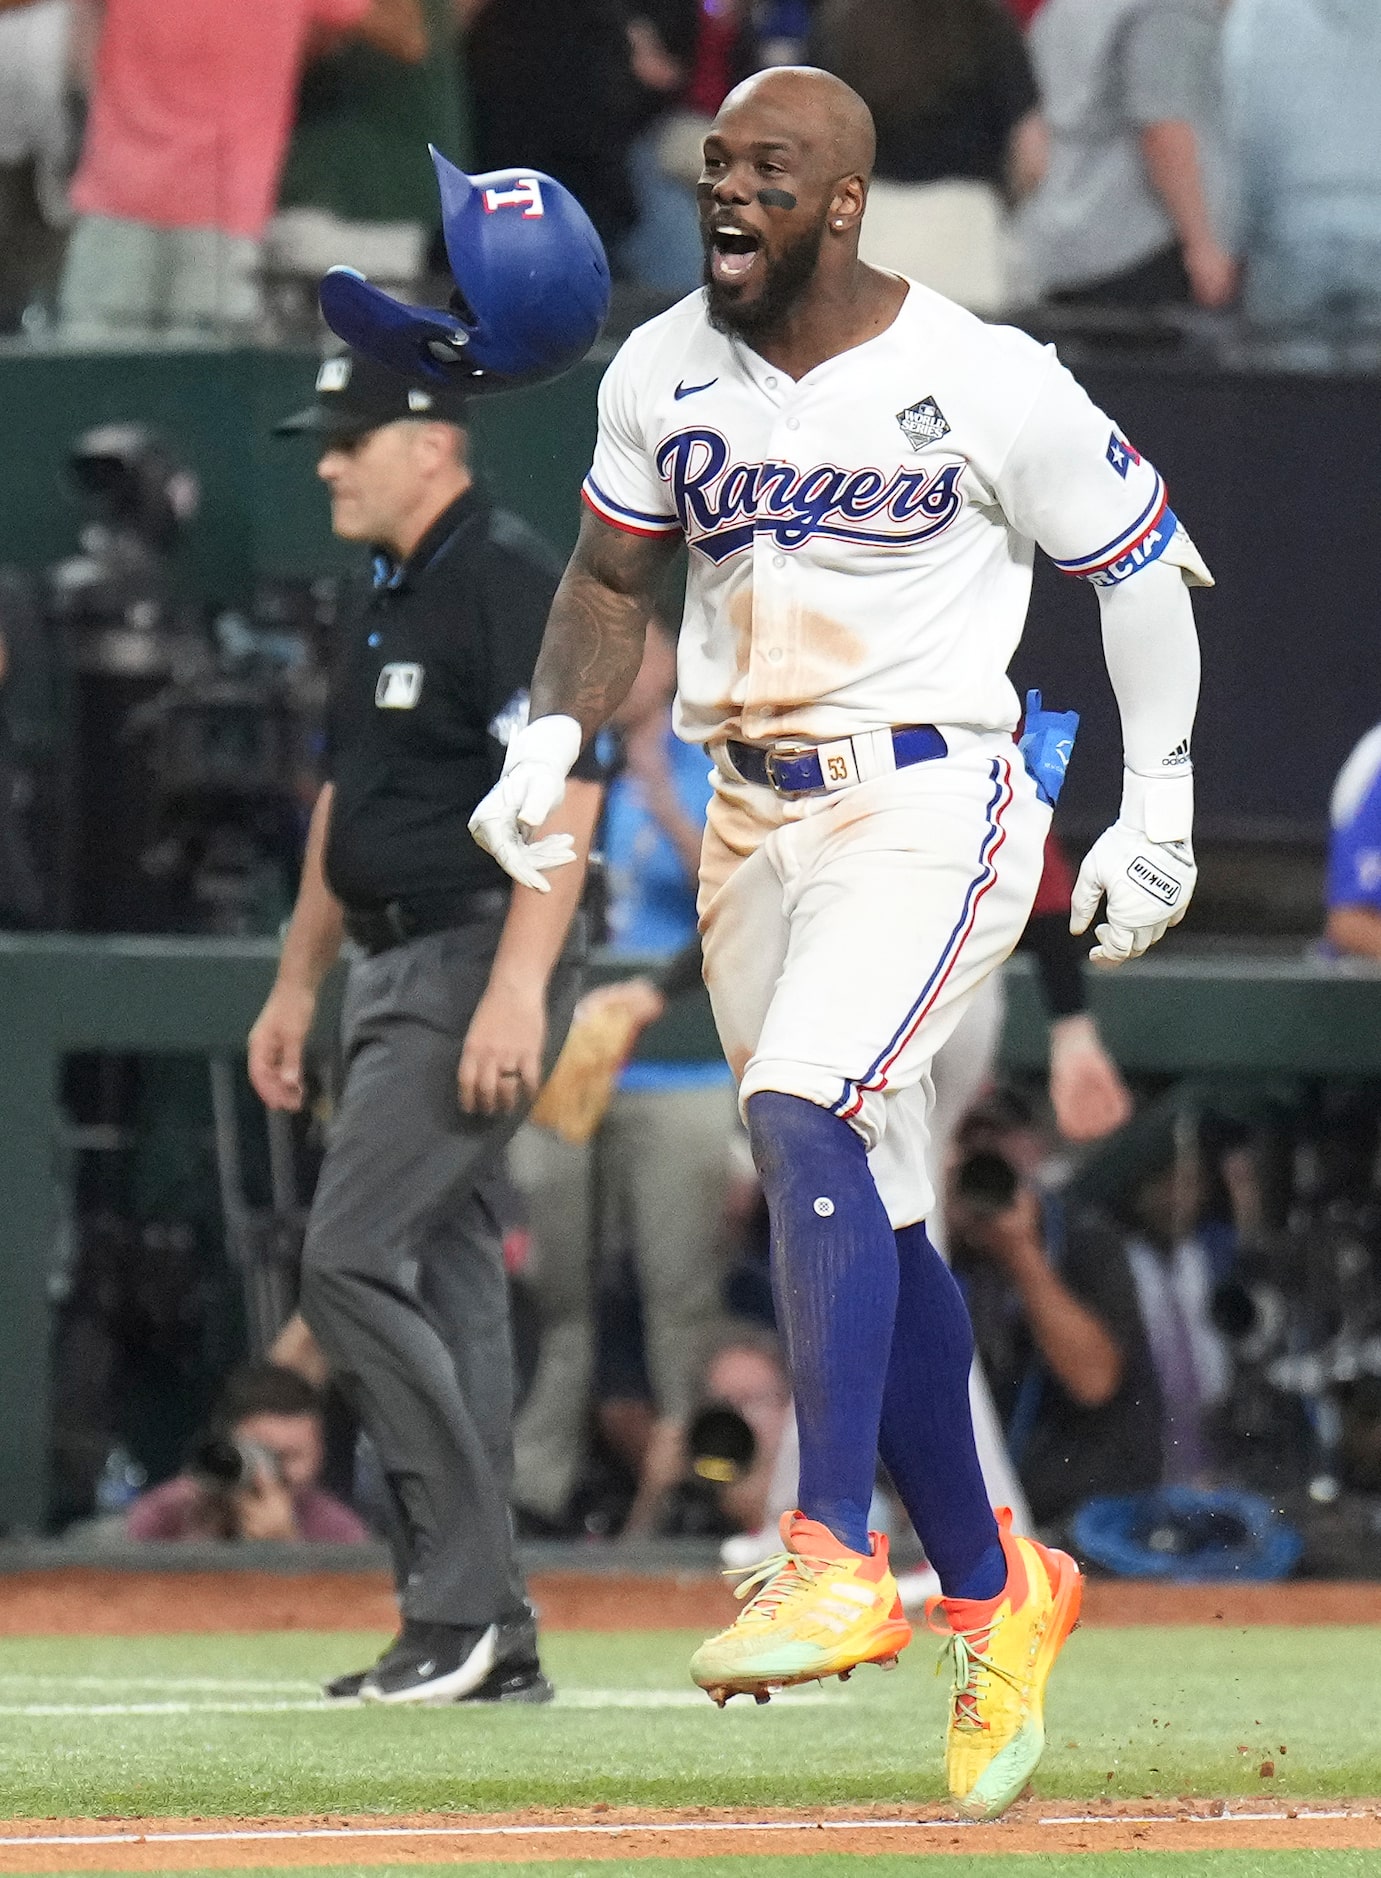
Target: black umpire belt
(392, 923)
(818, 769)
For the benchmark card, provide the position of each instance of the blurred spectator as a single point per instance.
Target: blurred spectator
(1354, 856)
(1132, 211)
(653, 1180)
(1095, 1327)
(551, 86)
(358, 184)
(959, 133)
(687, 57)
(256, 1474)
(35, 151)
(189, 119)
(1303, 84)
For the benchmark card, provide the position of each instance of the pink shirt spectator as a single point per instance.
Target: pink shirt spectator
(172, 1512)
(192, 108)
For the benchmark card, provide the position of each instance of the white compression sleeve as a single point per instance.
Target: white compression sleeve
(1152, 653)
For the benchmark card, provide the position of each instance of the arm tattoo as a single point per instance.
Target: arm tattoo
(593, 644)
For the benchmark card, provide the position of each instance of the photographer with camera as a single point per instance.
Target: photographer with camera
(1094, 1308)
(1056, 1317)
(254, 1473)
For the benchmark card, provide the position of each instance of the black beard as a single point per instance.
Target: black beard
(788, 277)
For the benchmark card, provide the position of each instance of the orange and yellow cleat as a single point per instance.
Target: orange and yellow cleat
(1002, 1651)
(817, 1609)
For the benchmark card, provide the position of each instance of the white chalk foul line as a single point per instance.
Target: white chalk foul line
(263, 1834)
(565, 1699)
(207, 1685)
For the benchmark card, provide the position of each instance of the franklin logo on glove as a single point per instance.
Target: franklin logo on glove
(1141, 871)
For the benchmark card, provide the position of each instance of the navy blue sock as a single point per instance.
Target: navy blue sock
(926, 1437)
(834, 1279)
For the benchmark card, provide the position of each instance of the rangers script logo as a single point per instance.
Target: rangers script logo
(723, 505)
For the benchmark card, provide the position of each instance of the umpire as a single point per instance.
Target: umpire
(461, 993)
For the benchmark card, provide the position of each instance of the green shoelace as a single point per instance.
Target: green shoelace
(970, 1665)
(770, 1585)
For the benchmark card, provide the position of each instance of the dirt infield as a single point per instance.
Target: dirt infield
(178, 1845)
(85, 1601)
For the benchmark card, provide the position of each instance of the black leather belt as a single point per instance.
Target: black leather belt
(394, 922)
(820, 769)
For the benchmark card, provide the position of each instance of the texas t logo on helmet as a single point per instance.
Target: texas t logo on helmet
(532, 287)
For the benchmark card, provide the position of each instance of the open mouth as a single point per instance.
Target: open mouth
(733, 252)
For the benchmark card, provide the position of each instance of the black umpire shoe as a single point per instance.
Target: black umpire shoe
(433, 1663)
(516, 1675)
(513, 1682)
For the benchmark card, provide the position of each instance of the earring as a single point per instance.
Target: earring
(839, 221)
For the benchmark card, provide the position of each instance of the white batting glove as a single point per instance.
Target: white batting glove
(1143, 864)
(536, 764)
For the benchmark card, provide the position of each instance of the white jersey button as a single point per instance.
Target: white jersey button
(793, 423)
(771, 383)
(774, 657)
(779, 560)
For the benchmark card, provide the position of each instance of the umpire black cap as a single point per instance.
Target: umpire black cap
(354, 395)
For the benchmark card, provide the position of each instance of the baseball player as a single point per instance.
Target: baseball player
(861, 472)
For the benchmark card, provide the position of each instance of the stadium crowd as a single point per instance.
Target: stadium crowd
(192, 169)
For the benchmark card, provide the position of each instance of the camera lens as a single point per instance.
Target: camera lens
(220, 1462)
(986, 1182)
(722, 1445)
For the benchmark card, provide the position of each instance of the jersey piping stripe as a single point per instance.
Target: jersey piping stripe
(634, 520)
(1104, 557)
(875, 1077)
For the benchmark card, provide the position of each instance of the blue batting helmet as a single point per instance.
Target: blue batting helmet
(532, 287)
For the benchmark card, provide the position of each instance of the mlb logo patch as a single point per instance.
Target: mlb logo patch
(923, 423)
(1121, 455)
(399, 687)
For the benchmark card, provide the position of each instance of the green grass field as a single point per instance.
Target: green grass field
(229, 1725)
(218, 1725)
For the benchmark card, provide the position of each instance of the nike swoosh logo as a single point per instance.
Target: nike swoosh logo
(684, 390)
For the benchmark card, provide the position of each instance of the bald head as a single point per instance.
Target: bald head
(826, 118)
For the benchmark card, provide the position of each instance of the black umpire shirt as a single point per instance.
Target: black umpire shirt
(432, 681)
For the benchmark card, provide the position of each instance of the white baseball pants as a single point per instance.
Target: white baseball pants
(845, 935)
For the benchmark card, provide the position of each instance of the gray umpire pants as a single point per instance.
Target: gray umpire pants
(403, 1279)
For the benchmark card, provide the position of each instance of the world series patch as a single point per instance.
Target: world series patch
(923, 423)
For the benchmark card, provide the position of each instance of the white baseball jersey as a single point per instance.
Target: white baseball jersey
(931, 459)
